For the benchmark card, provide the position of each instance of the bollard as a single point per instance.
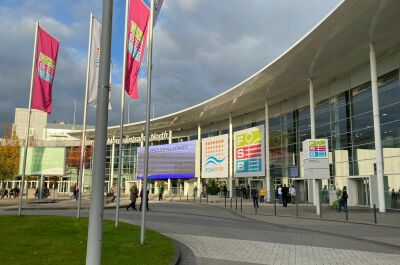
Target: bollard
(180, 196)
(241, 204)
(200, 198)
(275, 206)
(225, 201)
(231, 202)
(236, 204)
(375, 217)
(297, 208)
(347, 213)
(320, 207)
(187, 197)
(207, 197)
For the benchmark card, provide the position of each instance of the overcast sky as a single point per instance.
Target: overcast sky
(201, 48)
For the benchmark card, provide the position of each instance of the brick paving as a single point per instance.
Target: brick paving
(248, 251)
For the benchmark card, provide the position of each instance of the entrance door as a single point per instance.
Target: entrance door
(363, 192)
(256, 183)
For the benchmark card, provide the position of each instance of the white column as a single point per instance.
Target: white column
(199, 187)
(377, 130)
(267, 166)
(169, 180)
(230, 156)
(312, 109)
(110, 184)
(169, 186)
(141, 139)
(315, 185)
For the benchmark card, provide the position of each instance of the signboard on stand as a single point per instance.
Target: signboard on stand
(215, 157)
(249, 152)
(316, 159)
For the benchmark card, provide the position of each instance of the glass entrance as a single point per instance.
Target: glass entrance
(363, 192)
(256, 183)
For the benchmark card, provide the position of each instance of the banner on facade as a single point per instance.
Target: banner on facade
(44, 161)
(316, 159)
(45, 69)
(168, 161)
(249, 152)
(215, 154)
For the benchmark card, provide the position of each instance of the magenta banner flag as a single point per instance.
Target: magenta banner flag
(138, 16)
(45, 69)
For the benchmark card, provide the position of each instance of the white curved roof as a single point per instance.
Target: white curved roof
(336, 46)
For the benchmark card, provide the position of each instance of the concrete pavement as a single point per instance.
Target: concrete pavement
(219, 236)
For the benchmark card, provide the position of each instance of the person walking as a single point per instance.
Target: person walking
(280, 194)
(225, 191)
(133, 196)
(254, 196)
(293, 195)
(343, 200)
(285, 195)
(195, 189)
(263, 192)
(112, 193)
(74, 192)
(160, 194)
(141, 200)
(244, 192)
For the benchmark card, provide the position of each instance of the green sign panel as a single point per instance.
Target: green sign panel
(43, 161)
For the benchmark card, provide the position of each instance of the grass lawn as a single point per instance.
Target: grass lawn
(52, 240)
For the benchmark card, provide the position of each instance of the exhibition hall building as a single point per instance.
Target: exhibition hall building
(339, 83)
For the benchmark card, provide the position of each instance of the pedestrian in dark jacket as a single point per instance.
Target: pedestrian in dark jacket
(254, 196)
(141, 200)
(285, 195)
(133, 196)
(343, 199)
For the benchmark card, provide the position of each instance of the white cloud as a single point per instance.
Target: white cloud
(201, 49)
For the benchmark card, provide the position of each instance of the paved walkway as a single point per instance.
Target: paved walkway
(220, 236)
(249, 251)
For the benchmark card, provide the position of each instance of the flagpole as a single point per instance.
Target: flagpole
(83, 144)
(74, 113)
(121, 126)
(29, 121)
(148, 107)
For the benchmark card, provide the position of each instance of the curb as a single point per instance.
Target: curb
(177, 258)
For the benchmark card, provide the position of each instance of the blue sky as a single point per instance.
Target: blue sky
(200, 49)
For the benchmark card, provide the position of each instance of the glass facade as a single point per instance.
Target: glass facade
(347, 121)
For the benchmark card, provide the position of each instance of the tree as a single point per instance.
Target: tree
(212, 188)
(74, 157)
(9, 158)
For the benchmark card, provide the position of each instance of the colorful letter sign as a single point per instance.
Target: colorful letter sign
(249, 152)
(215, 157)
(316, 160)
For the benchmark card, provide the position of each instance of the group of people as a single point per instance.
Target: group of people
(134, 194)
(286, 194)
(14, 192)
(46, 193)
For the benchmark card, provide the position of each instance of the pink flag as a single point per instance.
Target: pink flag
(45, 68)
(138, 16)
